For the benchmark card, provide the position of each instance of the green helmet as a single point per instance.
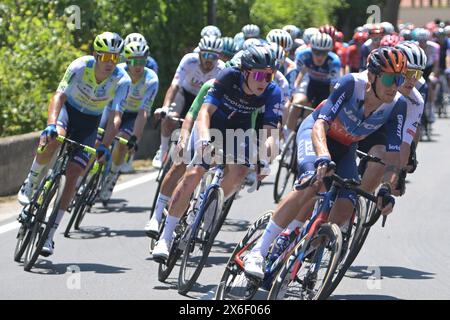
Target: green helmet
(108, 42)
(135, 49)
(229, 47)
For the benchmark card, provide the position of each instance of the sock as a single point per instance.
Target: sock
(161, 203)
(293, 225)
(59, 217)
(269, 235)
(171, 223)
(35, 171)
(164, 145)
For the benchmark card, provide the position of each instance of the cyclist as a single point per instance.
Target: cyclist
(295, 34)
(319, 69)
(135, 111)
(237, 92)
(137, 37)
(211, 31)
(390, 40)
(359, 104)
(375, 35)
(354, 52)
(229, 49)
(88, 86)
(307, 35)
(193, 70)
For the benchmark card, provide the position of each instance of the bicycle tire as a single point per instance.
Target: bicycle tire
(35, 245)
(160, 178)
(93, 188)
(185, 283)
(333, 233)
(164, 270)
(234, 274)
(278, 190)
(23, 238)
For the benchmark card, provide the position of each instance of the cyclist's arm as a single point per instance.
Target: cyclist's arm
(203, 121)
(55, 106)
(139, 124)
(116, 105)
(145, 107)
(319, 138)
(170, 95)
(299, 78)
(112, 127)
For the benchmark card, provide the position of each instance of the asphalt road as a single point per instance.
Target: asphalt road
(109, 259)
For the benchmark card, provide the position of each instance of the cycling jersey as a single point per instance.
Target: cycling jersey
(189, 75)
(282, 82)
(142, 93)
(414, 110)
(86, 95)
(290, 72)
(341, 52)
(344, 113)
(151, 64)
(422, 87)
(328, 73)
(354, 57)
(432, 50)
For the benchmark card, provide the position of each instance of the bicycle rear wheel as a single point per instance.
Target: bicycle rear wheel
(201, 240)
(43, 222)
(164, 270)
(159, 179)
(23, 236)
(307, 272)
(285, 173)
(234, 284)
(93, 189)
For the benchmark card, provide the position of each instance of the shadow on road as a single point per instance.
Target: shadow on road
(235, 225)
(362, 297)
(366, 272)
(95, 232)
(46, 267)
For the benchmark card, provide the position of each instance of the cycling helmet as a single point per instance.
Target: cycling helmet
(322, 42)
(339, 36)
(239, 40)
(406, 34)
(250, 31)
(387, 27)
(328, 30)
(258, 57)
(360, 37)
(229, 47)
(280, 37)
(375, 29)
(250, 43)
(293, 31)
(135, 37)
(417, 59)
(360, 29)
(390, 40)
(387, 59)
(211, 31)
(108, 42)
(135, 49)
(211, 43)
(279, 54)
(421, 34)
(308, 34)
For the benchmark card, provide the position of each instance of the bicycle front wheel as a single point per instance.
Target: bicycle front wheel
(285, 174)
(308, 271)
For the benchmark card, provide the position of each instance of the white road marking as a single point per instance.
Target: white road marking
(120, 187)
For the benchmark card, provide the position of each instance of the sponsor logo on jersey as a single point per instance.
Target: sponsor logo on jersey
(393, 147)
(399, 125)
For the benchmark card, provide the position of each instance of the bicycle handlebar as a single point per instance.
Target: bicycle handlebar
(63, 139)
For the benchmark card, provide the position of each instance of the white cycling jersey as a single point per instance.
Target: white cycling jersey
(282, 82)
(189, 75)
(432, 51)
(414, 110)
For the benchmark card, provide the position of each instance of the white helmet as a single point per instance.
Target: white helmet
(211, 43)
(108, 42)
(135, 49)
(251, 31)
(292, 30)
(307, 35)
(421, 34)
(388, 27)
(447, 30)
(135, 37)
(279, 54)
(322, 41)
(280, 37)
(211, 31)
(239, 40)
(250, 43)
(417, 59)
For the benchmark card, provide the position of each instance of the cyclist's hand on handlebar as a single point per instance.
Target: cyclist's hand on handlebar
(161, 112)
(49, 134)
(103, 153)
(321, 165)
(385, 201)
(132, 144)
(263, 169)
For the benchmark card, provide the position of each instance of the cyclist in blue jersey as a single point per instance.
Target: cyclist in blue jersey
(228, 106)
(359, 104)
(133, 115)
(90, 84)
(137, 37)
(319, 69)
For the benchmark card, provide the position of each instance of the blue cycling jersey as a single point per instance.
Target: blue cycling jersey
(327, 73)
(344, 112)
(151, 64)
(235, 105)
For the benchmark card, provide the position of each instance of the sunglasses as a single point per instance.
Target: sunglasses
(320, 53)
(412, 73)
(105, 57)
(210, 56)
(388, 79)
(137, 62)
(261, 76)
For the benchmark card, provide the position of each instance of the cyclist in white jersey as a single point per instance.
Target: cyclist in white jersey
(136, 109)
(90, 84)
(192, 72)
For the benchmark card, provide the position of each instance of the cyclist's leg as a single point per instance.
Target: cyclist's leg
(295, 112)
